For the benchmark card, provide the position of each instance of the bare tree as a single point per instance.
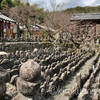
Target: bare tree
(60, 21)
(26, 15)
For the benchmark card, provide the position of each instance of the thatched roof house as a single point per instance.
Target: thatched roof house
(86, 16)
(88, 23)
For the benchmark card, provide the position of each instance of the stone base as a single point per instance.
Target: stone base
(2, 90)
(27, 88)
(21, 97)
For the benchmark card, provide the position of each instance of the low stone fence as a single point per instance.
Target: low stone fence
(13, 46)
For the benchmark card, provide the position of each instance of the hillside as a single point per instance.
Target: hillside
(86, 9)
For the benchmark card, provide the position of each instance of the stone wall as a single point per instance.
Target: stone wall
(12, 47)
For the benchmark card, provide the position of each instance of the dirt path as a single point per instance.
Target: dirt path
(72, 83)
(94, 87)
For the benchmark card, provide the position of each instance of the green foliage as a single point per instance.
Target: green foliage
(6, 3)
(38, 13)
(86, 9)
(27, 4)
(11, 3)
(16, 2)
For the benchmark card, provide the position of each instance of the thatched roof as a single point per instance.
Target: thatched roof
(86, 16)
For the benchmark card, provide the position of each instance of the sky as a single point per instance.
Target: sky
(64, 4)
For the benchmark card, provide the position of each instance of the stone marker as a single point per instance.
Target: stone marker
(30, 71)
(28, 84)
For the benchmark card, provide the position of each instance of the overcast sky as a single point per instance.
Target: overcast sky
(65, 3)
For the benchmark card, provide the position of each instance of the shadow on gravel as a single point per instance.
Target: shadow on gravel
(6, 97)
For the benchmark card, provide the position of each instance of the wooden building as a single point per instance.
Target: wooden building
(8, 27)
(37, 31)
(87, 23)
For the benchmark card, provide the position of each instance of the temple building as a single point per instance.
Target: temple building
(8, 27)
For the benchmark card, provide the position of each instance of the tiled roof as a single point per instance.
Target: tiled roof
(3, 17)
(86, 16)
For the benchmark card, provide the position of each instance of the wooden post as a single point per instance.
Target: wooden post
(2, 30)
(95, 29)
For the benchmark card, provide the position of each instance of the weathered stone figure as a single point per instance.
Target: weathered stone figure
(28, 84)
(4, 77)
